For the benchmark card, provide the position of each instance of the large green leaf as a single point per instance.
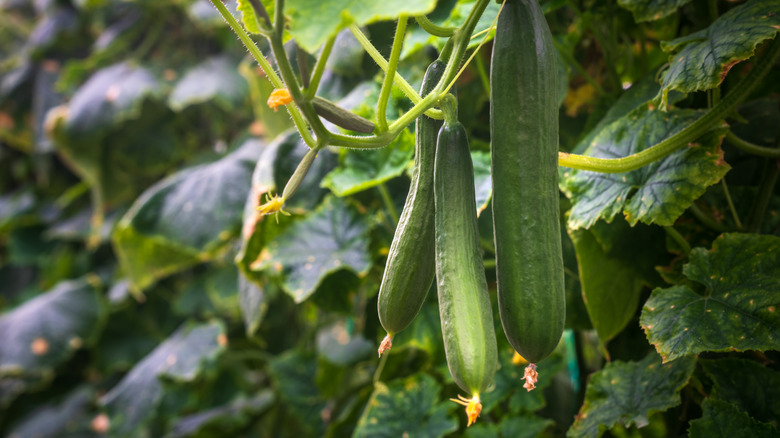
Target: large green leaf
(650, 10)
(132, 402)
(314, 21)
(723, 420)
(655, 194)
(736, 312)
(292, 374)
(111, 95)
(226, 420)
(411, 407)
(483, 184)
(361, 170)
(186, 218)
(628, 392)
(67, 418)
(215, 79)
(747, 384)
(701, 60)
(333, 237)
(610, 288)
(46, 331)
(523, 426)
(249, 18)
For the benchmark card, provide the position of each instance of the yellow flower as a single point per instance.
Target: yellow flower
(473, 407)
(274, 206)
(279, 97)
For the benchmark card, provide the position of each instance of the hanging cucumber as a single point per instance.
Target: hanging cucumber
(524, 161)
(410, 264)
(464, 303)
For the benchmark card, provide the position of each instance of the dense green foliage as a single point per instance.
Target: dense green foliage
(142, 293)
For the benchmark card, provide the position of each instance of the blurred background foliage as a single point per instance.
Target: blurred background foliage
(141, 295)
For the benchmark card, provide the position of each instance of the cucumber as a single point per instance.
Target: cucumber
(524, 163)
(409, 271)
(464, 303)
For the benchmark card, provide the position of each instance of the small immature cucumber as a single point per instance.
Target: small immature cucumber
(410, 264)
(464, 303)
(524, 160)
(341, 117)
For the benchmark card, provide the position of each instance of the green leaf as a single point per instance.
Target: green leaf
(254, 303)
(424, 332)
(215, 78)
(483, 184)
(738, 312)
(111, 95)
(700, 61)
(314, 21)
(226, 420)
(132, 402)
(747, 384)
(339, 347)
(67, 418)
(628, 392)
(46, 331)
(333, 237)
(362, 170)
(293, 376)
(186, 218)
(655, 194)
(249, 18)
(525, 426)
(610, 289)
(723, 420)
(651, 10)
(411, 407)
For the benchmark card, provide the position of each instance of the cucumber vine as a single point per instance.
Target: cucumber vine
(306, 117)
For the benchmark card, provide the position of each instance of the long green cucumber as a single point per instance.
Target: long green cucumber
(409, 271)
(524, 161)
(464, 303)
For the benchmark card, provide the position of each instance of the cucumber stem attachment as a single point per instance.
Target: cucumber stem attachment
(433, 28)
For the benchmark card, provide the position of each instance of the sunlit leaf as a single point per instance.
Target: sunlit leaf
(654, 194)
(738, 308)
(628, 392)
(314, 21)
(410, 407)
(333, 237)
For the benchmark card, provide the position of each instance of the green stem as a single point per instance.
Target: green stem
(766, 190)
(392, 66)
(407, 89)
(380, 366)
(261, 12)
(433, 28)
(319, 68)
(752, 148)
(449, 105)
(300, 124)
(462, 40)
(391, 210)
(706, 220)
(679, 239)
(733, 210)
(690, 133)
(277, 46)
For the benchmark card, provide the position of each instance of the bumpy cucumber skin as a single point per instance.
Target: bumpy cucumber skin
(409, 271)
(524, 160)
(464, 303)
